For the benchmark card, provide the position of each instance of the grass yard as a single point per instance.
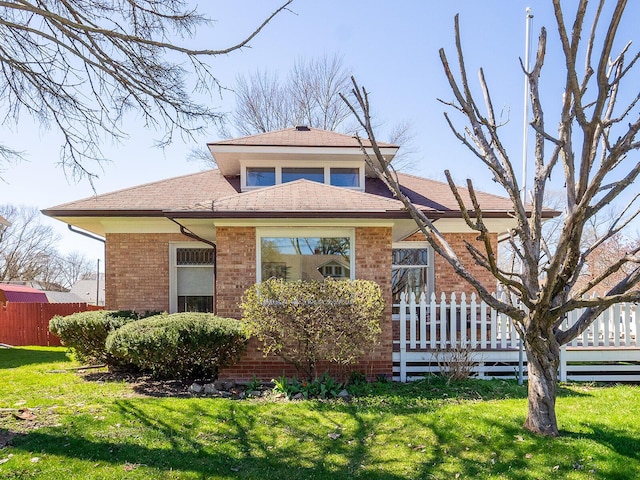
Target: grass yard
(78, 429)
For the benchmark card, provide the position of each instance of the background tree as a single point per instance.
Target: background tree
(592, 152)
(28, 251)
(309, 96)
(80, 66)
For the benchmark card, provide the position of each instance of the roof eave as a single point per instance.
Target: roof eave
(391, 214)
(103, 213)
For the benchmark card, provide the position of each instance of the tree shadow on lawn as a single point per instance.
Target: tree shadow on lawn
(329, 440)
(233, 441)
(617, 440)
(422, 393)
(15, 357)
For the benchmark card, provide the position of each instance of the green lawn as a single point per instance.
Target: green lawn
(426, 430)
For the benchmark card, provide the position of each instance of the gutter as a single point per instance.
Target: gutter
(86, 234)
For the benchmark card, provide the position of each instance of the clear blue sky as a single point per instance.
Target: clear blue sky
(391, 46)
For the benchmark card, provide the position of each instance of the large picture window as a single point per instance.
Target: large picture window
(305, 257)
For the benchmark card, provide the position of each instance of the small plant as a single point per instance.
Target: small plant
(456, 363)
(288, 387)
(254, 384)
(323, 387)
(357, 378)
(329, 386)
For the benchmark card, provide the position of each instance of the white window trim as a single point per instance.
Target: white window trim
(431, 271)
(173, 272)
(288, 232)
(326, 165)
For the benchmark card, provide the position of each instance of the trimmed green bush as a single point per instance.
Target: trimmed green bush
(86, 332)
(192, 345)
(306, 323)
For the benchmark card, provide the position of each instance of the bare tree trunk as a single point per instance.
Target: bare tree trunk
(543, 353)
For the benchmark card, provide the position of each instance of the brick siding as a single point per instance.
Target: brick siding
(373, 262)
(235, 267)
(137, 271)
(137, 277)
(446, 279)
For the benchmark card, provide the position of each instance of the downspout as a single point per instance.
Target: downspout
(104, 242)
(188, 233)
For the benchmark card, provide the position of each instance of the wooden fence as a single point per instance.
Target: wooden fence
(24, 324)
(429, 334)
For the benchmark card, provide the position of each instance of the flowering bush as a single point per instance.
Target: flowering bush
(305, 323)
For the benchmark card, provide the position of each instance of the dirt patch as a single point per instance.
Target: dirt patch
(5, 437)
(144, 385)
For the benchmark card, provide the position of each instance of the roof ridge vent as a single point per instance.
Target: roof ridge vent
(302, 128)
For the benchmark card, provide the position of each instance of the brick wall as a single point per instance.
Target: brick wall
(236, 267)
(446, 279)
(137, 271)
(137, 277)
(236, 259)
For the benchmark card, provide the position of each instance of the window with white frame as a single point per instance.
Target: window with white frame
(345, 177)
(291, 174)
(305, 254)
(411, 269)
(258, 174)
(191, 278)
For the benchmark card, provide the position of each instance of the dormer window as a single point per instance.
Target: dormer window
(345, 177)
(291, 174)
(261, 176)
(266, 173)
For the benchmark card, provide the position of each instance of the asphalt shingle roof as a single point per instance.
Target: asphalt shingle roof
(211, 191)
(303, 195)
(292, 137)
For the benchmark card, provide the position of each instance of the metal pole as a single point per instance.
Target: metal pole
(98, 284)
(525, 129)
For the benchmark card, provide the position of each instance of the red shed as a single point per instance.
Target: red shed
(21, 294)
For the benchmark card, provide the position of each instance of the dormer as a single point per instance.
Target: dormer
(296, 153)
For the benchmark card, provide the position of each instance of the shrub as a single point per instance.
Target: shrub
(456, 363)
(86, 332)
(308, 322)
(193, 345)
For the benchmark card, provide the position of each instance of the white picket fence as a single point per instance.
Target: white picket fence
(427, 331)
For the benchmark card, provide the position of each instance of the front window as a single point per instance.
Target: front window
(291, 174)
(194, 272)
(305, 258)
(410, 272)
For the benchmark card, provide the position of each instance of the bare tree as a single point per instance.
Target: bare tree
(72, 267)
(80, 66)
(27, 246)
(263, 104)
(309, 96)
(28, 251)
(591, 149)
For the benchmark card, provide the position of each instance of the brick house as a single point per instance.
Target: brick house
(298, 203)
